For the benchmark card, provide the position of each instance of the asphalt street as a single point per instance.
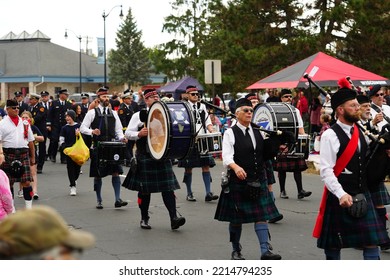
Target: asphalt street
(119, 236)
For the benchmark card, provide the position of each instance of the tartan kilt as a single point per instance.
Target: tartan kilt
(382, 196)
(289, 164)
(236, 207)
(102, 171)
(22, 155)
(151, 176)
(340, 230)
(195, 160)
(269, 169)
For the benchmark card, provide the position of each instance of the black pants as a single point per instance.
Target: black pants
(73, 171)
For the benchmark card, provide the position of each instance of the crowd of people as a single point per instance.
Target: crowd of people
(250, 155)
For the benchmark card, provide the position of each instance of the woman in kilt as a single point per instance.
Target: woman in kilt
(150, 175)
(246, 198)
(286, 163)
(340, 227)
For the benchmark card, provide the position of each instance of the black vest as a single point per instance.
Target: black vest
(247, 157)
(356, 181)
(106, 125)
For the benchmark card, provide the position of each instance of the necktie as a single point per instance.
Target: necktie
(247, 132)
(194, 107)
(104, 110)
(351, 131)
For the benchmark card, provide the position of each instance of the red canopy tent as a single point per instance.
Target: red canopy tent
(323, 69)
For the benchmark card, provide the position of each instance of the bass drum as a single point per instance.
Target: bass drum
(276, 116)
(171, 130)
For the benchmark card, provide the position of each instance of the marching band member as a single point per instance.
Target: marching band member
(285, 164)
(150, 175)
(203, 125)
(103, 124)
(343, 155)
(243, 154)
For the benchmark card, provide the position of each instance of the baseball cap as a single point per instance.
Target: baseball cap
(38, 229)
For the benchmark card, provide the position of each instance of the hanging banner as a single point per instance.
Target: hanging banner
(100, 48)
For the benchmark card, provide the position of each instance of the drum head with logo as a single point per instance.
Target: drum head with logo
(158, 130)
(276, 116)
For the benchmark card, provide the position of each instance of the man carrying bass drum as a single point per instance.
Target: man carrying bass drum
(148, 175)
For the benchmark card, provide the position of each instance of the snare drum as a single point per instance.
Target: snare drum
(276, 116)
(302, 146)
(171, 130)
(210, 143)
(111, 152)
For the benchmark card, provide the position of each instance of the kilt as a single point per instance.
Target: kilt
(152, 176)
(340, 230)
(236, 207)
(289, 164)
(382, 196)
(195, 160)
(269, 169)
(96, 170)
(22, 155)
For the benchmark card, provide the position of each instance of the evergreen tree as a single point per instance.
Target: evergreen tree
(129, 63)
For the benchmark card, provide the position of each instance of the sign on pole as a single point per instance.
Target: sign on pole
(212, 72)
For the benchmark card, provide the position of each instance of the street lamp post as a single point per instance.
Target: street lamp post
(78, 37)
(104, 35)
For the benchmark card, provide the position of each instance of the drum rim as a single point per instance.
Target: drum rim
(167, 132)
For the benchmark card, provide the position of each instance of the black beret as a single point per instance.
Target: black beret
(243, 102)
(63, 91)
(341, 96)
(251, 96)
(11, 103)
(149, 92)
(44, 93)
(284, 92)
(18, 93)
(374, 90)
(362, 99)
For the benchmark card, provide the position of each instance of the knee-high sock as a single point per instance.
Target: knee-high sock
(298, 180)
(170, 203)
(282, 180)
(27, 193)
(188, 181)
(97, 187)
(143, 204)
(371, 253)
(332, 254)
(116, 184)
(262, 235)
(207, 181)
(235, 236)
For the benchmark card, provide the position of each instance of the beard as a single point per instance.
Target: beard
(351, 117)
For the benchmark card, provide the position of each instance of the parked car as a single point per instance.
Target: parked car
(77, 97)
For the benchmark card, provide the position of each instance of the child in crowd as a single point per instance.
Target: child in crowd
(6, 201)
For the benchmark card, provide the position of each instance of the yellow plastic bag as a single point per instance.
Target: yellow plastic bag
(79, 152)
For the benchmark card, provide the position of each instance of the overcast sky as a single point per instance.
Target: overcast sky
(84, 18)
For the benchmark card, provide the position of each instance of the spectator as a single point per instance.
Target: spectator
(6, 201)
(315, 112)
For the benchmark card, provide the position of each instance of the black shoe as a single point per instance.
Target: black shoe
(39, 171)
(276, 219)
(270, 256)
(99, 205)
(53, 159)
(210, 196)
(385, 246)
(120, 203)
(145, 224)
(283, 195)
(190, 197)
(303, 194)
(236, 255)
(177, 222)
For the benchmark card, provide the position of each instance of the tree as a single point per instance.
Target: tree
(130, 62)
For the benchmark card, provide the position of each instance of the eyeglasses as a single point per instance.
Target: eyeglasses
(379, 94)
(14, 107)
(194, 94)
(287, 96)
(247, 110)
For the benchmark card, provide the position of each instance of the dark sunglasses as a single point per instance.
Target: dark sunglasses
(379, 94)
(194, 94)
(287, 96)
(247, 110)
(14, 107)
